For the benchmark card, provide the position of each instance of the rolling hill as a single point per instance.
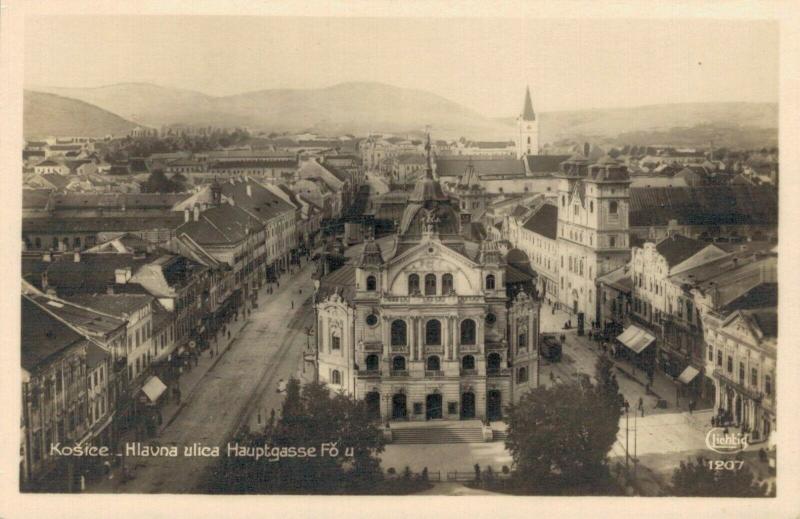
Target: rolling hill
(52, 115)
(362, 107)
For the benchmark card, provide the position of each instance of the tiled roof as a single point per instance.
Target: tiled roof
(83, 318)
(221, 225)
(341, 281)
(719, 205)
(677, 248)
(545, 164)
(58, 181)
(767, 321)
(262, 203)
(120, 305)
(35, 198)
(764, 295)
(43, 335)
(94, 272)
(283, 162)
(514, 274)
(100, 224)
(484, 166)
(544, 221)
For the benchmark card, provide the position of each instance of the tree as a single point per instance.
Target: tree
(310, 417)
(559, 438)
(158, 182)
(698, 479)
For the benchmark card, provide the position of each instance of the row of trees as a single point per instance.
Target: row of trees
(128, 147)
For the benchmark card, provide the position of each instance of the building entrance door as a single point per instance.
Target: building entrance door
(433, 406)
(468, 405)
(494, 405)
(399, 407)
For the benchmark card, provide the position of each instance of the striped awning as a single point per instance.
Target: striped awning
(636, 338)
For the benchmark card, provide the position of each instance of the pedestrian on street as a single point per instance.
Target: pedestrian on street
(691, 406)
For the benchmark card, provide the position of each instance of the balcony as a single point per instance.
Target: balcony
(398, 373)
(498, 372)
(433, 373)
(468, 348)
(434, 348)
(373, 346)
(435, 299)
(369, 373)
(399, 348)
(469, 372)
(738, 386)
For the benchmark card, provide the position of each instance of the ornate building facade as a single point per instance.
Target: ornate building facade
(426, 324)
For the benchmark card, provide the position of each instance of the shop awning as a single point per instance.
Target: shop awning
(636, 338)
(153, 388)
(688, 374)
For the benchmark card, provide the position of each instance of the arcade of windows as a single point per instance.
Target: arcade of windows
(433, 332)
(431, 284)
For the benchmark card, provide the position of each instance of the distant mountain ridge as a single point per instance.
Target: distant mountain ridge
(47, 115)
(363, 107)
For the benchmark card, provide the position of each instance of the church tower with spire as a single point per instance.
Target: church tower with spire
(528, 129)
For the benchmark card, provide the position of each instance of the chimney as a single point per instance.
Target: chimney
(186, 217)
(196, 213)
(249, 191)
(77, 257)
(122, 276)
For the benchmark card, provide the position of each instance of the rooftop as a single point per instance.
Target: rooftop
(43, 336)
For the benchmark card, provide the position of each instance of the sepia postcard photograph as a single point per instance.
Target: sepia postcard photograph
(409, 254)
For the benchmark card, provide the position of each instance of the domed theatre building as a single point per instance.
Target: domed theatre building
(426, 324)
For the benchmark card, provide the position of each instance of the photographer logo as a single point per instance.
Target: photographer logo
(722, 442)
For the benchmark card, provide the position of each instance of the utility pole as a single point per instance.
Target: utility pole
(627, 457)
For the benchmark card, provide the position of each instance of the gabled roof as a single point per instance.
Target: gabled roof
(718, 205)
(677, 248)
(119, 305)
(544, 221)
(43, 336)
(221, 225)
(341, 281)
(83, 318)
(764, 295)
(260, 203)
(543, 165)
(484, 166)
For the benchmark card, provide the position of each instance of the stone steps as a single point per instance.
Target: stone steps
(419, 435)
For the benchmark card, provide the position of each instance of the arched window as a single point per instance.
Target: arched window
(399, 333)
(38, 242)
(371, 283)
(430, 284)
(336, 343)
(612, 208)
(433, 364)
(54, 243)
(768, 385)
(433, 332)
(447, 284)
(468, 362)
(468, 331)
(77, 242)
(372, 362)
(399, 363)
(529, 139)
(493, 361)
(336, 377)
(413, 284)
(490, 282)
(522, 375)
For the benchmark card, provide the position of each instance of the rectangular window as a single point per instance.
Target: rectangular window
(417, 408)
(335, 342)
(754, 377)
(710, 353)
(452, 407)
(730, 364)
(741, 372)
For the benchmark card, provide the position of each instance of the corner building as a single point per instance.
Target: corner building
(426, 324)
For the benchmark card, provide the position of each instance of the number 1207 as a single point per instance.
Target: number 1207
(725, 464)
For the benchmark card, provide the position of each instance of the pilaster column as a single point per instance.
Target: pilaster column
(446, 337)
(386, 336)
(420, 336)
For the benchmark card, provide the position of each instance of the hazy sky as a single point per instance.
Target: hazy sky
(481, 63)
